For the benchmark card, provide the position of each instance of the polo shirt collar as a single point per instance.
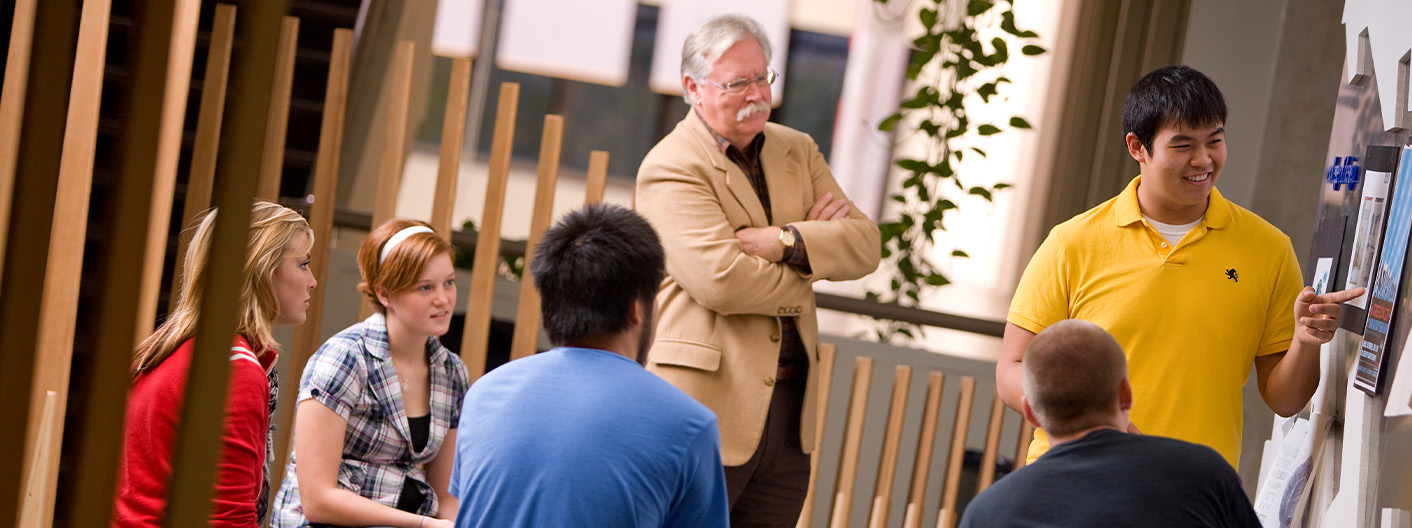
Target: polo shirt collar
(1127, 211)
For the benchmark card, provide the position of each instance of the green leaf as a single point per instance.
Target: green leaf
(887, 125)
(1002, 51)
(899, 198)
(986, 90)
(1019, 122)
(913, 165)
(988, 130)
(976, 7)
(946, 205)
(979, 151)
(981, 192)
(1001, 185)
(1031, 49)
(911, 294)
(937, 279)
(959, 253)
(905, 331)
(928, 17)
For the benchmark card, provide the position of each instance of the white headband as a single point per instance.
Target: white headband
(399, 237)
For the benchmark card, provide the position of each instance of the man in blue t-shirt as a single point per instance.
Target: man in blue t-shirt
(1095, 474)
(582, 435)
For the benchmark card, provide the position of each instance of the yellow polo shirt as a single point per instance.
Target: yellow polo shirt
(1191, 318)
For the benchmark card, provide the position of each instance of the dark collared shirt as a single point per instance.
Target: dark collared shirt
(793, 359)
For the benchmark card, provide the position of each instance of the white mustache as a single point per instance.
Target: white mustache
(751, 109)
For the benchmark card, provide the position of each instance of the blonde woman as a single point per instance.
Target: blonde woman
(274, 292)
(379, 402)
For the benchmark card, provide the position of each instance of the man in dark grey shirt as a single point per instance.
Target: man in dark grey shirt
(1096, 474)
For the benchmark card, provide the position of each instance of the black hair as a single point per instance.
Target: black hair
(1172, 95)
(591, 266)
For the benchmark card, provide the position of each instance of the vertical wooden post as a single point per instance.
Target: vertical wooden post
(992, 443)
(272, 160)
(12, 105)
(308, 336)
(892, 439)
(526, 336)
(598, 179)
(208, 136)
(453, 130)
(852, 442)
(199, 433)
(827, 353)
(1022, 445)
(947, 517)
(31, 210)
(59, 304)
(394, 145)
(168, 154)
(921, 467)
(476, 335)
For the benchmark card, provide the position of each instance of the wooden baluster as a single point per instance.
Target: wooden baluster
(892, 439)
(394, 145)
(476, 336)
(824, 378)
(12, 105)
(852, 442)
(168, 155)
(197, 448)
(208, 136)
(58, 306)
(272, 160)
(453, 130)
(992, 443)
(598, 178)
(527, 311)
(308, 336)
(925, 444)
(947, 517)
(1022, 446)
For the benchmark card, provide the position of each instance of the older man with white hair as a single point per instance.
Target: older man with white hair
(750, 217)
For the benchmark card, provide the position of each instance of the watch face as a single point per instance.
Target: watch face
(787, 237)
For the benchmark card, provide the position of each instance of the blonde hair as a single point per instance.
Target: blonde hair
(271, 228)
(403, 266)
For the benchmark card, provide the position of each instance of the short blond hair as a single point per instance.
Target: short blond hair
(403, 266)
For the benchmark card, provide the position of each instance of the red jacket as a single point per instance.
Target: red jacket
(153, 410)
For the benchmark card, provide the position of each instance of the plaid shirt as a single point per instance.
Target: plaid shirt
(748, 159)
(352, 374)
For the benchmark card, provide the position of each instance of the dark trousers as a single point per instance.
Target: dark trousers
(769, 489)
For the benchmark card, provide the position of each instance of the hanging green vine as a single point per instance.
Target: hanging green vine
(953, 66)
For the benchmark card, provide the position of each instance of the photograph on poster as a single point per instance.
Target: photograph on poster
(1322, 270)
(1370, 229)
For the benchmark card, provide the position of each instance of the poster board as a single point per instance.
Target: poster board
(1382, 301)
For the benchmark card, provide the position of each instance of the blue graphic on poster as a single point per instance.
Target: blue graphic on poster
(1389, 277)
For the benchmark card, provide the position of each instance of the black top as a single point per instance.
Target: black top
(410, 500)
(1110, 478)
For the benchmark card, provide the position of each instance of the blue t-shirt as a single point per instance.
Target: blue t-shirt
(584, 437)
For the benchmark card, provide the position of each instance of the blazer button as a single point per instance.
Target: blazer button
(774, 338)
(769, 381)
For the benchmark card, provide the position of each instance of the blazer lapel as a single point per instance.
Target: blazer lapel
(736, 181)
(784, 180)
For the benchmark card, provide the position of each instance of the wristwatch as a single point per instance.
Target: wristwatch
(787, 240)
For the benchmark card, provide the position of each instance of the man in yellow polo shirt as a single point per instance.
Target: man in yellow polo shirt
(1195, 288)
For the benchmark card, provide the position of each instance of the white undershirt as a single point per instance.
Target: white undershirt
(1173, 233)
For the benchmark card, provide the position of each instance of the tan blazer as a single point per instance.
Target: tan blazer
(718, 332)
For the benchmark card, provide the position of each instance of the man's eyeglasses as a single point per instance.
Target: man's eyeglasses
(739, 84)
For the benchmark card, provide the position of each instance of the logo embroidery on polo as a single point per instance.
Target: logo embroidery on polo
(1231, 274)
